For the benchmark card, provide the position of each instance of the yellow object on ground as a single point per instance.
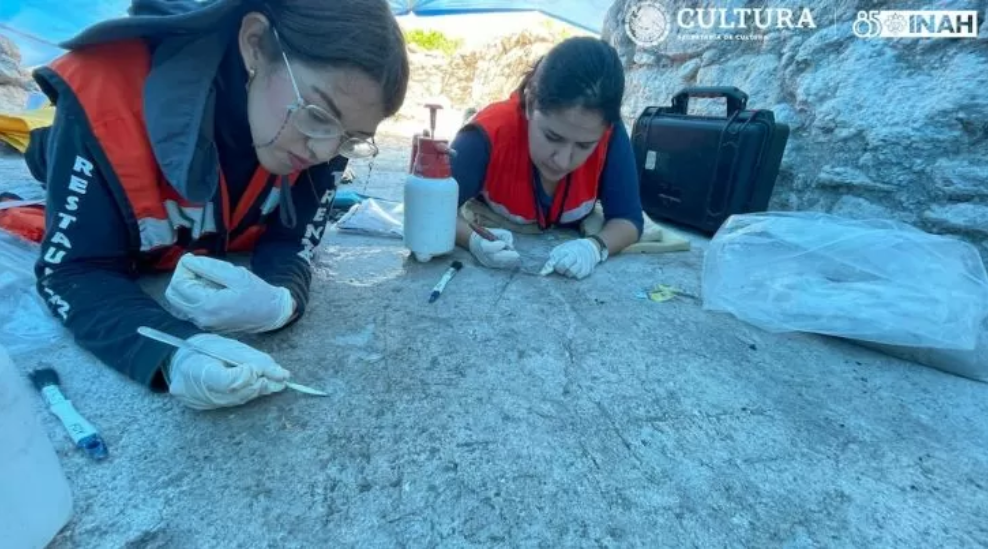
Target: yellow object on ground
(655, 238)
(662, 292)
(15, 128)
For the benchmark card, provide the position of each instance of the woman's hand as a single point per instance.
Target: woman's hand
(496, 254)
(575, 259)
(203, 382)
(222, 297)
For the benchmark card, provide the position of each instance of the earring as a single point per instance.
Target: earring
(250, 78)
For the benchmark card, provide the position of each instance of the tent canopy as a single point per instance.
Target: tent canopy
(37, 25)
(585, 14)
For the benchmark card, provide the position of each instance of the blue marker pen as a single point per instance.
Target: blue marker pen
(82, 432)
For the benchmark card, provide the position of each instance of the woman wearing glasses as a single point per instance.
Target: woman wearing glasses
(196, 130)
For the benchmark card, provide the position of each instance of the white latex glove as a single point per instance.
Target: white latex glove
(222, 297)
(575, 259)
(202, 382)
(496, 254)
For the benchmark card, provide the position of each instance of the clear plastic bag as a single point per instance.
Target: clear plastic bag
(25, 323)
(871, 280)
(374, 217)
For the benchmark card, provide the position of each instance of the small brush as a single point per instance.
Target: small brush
(85, 436)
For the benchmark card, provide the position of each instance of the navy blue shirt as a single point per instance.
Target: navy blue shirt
(618, 190)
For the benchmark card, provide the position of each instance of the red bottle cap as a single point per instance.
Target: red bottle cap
(431, 160)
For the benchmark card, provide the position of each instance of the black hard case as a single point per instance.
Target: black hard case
(699, 170)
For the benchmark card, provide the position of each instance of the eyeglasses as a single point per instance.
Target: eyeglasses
(315, 122)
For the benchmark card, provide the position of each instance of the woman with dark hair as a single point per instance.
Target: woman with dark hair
(190, 130)
(545, 156)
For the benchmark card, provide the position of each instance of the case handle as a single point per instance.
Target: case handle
(737, 100)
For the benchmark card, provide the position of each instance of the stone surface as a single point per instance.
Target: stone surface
(901, 125)
(9, 51)
(862, 208)
(15, 81)
(12, 98)
(959, 179)
(473, 76)
(959, 217)
(527, 411)
(499, 67)
(843, 176)
(11, 71)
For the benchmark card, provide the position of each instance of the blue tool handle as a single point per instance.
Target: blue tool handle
(94, 446)
(83, 434)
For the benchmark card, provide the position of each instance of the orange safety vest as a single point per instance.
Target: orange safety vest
(509, 185)
(27, 222)
(108, 82)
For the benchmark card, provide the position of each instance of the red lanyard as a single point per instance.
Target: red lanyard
(540, 213)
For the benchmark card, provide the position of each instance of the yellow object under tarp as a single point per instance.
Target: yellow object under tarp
(15, 128)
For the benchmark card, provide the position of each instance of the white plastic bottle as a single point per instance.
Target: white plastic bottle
(431, 202)
(35, 498)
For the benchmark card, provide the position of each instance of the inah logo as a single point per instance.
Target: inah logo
(916, 24)
(647, 23)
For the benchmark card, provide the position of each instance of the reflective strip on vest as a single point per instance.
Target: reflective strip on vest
(108, 80)
(156, 233)
(569, 216)
(579, 212)
(272, 201)
(501, 210)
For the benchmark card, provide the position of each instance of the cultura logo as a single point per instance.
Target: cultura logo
(648, 22)
(916, 24)
(745, 18)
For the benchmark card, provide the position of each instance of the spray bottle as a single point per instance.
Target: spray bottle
(431, 197)
(428, 132)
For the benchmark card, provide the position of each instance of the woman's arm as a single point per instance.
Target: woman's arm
(283, 255)
(86, 274)
(469, 167)
(619, 194)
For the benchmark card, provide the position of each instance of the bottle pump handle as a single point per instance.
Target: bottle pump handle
(433, 107)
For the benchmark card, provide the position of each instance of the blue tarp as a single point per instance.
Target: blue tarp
(586, 14)
(37, 25)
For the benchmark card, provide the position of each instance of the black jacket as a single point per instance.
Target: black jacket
(88, 266)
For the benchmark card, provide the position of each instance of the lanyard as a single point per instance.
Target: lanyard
(233, 215)
(545, 221)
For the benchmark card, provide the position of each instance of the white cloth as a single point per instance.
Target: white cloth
(575, 259)
(219, 296)
(203, 382)
(496, 254)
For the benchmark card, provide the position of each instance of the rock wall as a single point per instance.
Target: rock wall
(471, 77)
(491, 72)
(15, 81)
(889, 128)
